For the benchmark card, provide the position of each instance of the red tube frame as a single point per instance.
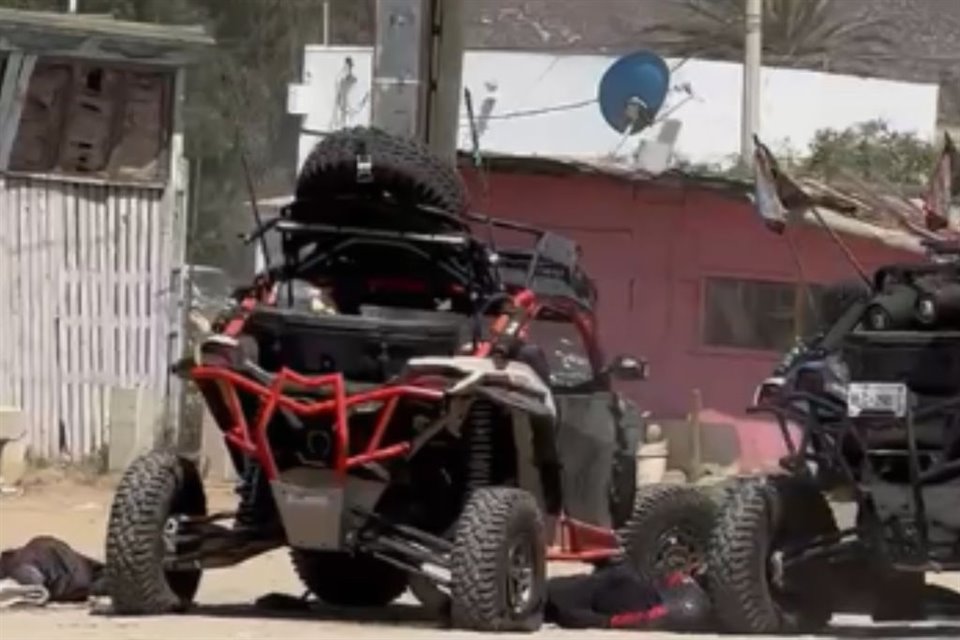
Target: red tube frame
(579, 541)
(254, 441)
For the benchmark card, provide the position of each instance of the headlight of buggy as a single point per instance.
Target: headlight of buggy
(893, 309)
(767, 392)
(940, 305)
(811, 381)
(927, 309)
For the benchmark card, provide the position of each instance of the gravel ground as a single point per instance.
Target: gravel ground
(78, 514)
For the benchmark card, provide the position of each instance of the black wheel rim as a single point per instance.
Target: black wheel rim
(521, 575)
(678, 550)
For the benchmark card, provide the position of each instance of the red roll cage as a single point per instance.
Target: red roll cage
(578, 541)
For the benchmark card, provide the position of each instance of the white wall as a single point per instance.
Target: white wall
(795, 104)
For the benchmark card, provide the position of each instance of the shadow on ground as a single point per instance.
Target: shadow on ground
(397, 614)
(290, 608)
(944, 630)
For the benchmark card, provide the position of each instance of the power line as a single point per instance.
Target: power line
(527, 113)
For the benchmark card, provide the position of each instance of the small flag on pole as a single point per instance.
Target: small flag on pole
(778, 198)
(943, 188)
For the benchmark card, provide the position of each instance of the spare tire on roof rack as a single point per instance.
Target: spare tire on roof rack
(363, 161)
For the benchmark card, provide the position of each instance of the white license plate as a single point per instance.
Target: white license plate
(889, 398)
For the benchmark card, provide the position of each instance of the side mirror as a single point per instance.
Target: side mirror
(629, 368)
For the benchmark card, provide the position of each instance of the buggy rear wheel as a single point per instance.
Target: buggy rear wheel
(498, 564)
(345, 580)
(669, 530)
(156, 488)
(761, 518)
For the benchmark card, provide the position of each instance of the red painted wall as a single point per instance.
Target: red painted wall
(649, 246)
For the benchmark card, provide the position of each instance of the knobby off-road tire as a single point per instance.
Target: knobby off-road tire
(404, 168)
(343, 580)
(500, 531)
(670, 530)
(155, 487)
(761, 516)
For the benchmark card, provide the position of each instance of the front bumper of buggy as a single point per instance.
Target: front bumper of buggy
(912, 523)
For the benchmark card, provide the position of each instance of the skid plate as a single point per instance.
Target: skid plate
(316, 507)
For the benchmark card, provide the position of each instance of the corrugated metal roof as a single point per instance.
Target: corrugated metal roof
(840, 211)
(98, 36)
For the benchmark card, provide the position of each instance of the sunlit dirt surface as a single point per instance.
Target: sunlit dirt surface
(77, 513)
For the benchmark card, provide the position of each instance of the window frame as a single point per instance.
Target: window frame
(803, 317)
(166, 127)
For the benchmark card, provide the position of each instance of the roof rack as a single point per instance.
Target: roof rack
(549, 266)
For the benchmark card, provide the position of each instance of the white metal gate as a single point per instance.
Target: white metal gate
(88, 295)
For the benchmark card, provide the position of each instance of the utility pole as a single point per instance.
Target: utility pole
(417, 69)
(752, 55)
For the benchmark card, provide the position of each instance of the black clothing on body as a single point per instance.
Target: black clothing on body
(615, 597)
(67, 575)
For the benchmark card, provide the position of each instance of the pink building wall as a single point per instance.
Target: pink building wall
(649, 245)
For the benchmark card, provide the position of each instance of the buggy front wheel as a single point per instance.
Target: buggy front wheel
(155, 489)
(498, 564)
(753, 592)
(669, 530)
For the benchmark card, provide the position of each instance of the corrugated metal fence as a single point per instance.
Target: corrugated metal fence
(85, 303)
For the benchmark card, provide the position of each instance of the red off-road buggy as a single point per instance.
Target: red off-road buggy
(441, 418)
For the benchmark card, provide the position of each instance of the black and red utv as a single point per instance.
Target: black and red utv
(407, 405)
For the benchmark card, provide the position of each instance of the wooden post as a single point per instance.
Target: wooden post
(13, 92)
(696, 437)
(177, 203)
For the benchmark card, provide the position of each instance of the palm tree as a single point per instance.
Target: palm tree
(796, 33)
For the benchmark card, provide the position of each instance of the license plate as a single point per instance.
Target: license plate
(888, 398)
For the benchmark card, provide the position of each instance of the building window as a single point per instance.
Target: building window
(97, 120)
(756, 314)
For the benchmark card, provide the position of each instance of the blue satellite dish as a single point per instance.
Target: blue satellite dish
(633, 90)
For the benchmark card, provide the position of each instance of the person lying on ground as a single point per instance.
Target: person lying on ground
(67, 575)
(613, 597)
(616, 597)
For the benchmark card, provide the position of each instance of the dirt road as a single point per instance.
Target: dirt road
(78, 514)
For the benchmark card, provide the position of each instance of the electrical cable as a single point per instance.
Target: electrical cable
(527, 113)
